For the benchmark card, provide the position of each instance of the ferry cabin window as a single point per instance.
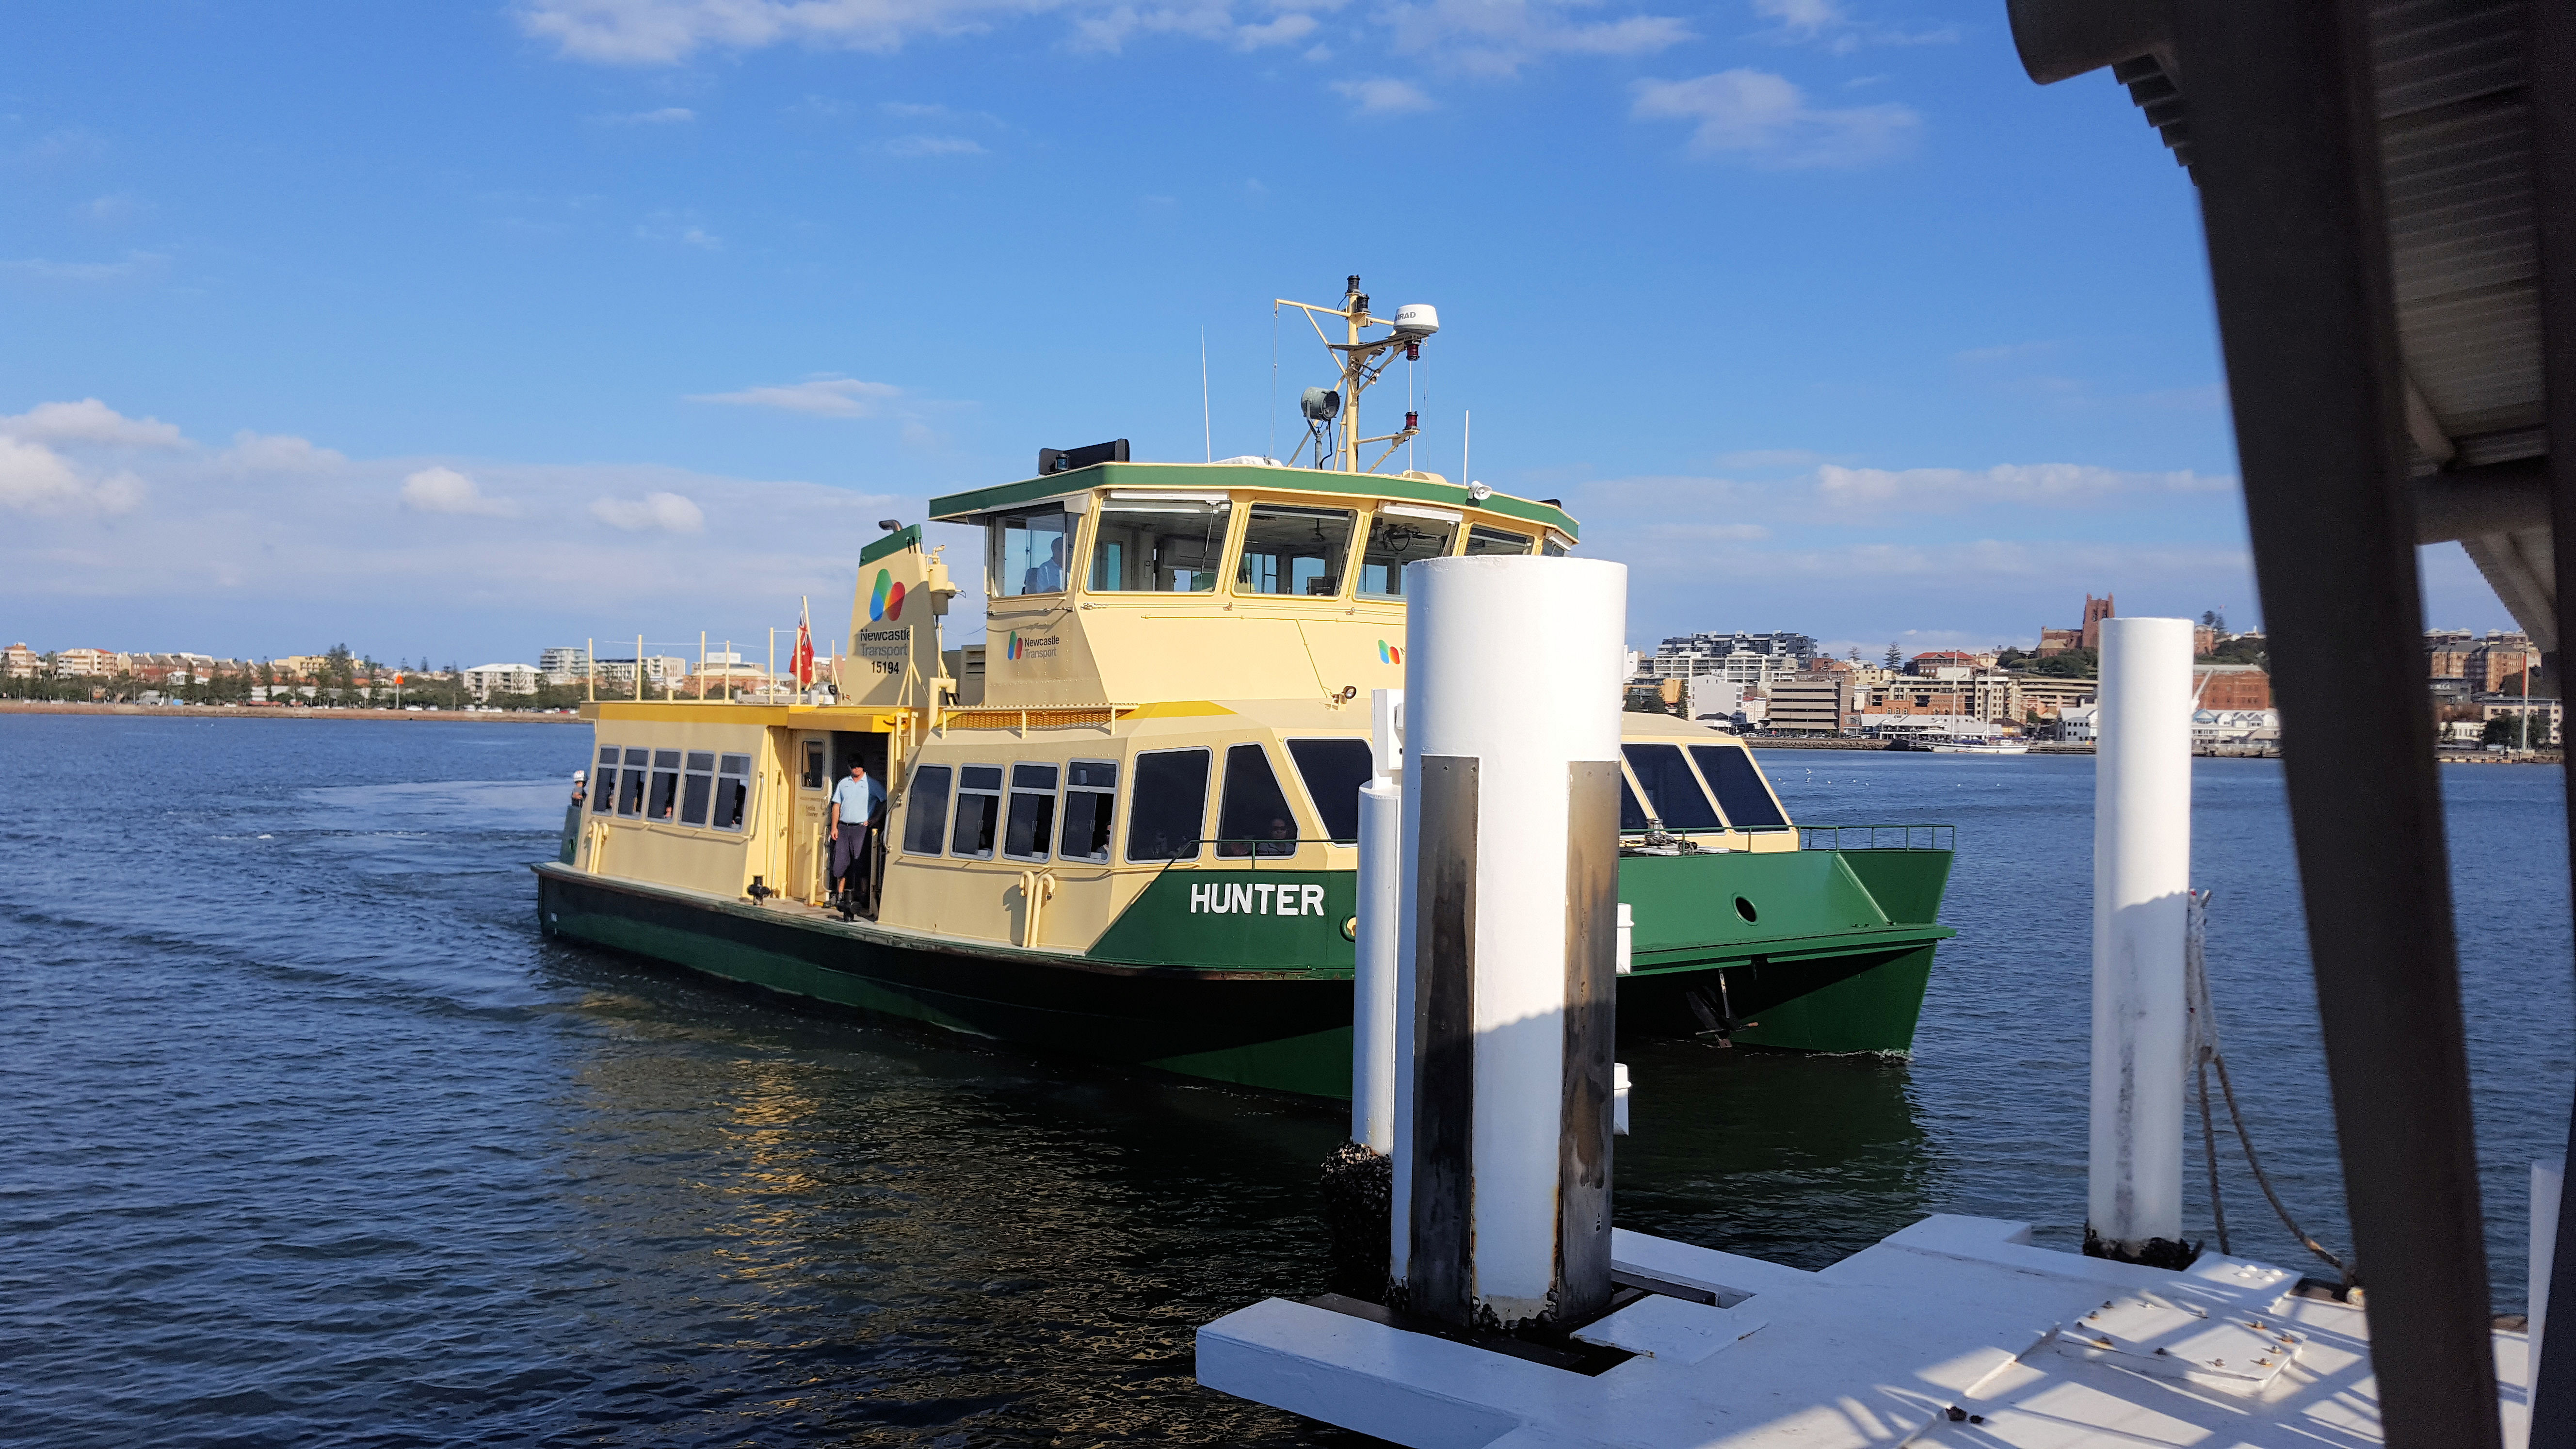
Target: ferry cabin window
(1334, 771)
(1632, 813)
(813, 777)
(603, 785)
(1090, 799)
(1482, 540)
(1158, 546)
(698, 787)
(666, 785)
(1169, 806)
(926, 800)
(1253, 818)
(1552, 546)
(1670, 787)
(1397, 539)
(733, 791)
(979, 811)
(1740, 791)
(1032, 817)
(630, 786)
(1296, 551)
(1027, 552)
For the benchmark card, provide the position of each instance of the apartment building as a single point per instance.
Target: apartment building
(1816, 702)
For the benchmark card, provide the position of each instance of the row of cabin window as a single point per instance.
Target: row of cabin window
(694, 787)
(972, 811)
(1172, 545)
(1680, 797)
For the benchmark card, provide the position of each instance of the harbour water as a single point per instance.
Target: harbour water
(307, 1137)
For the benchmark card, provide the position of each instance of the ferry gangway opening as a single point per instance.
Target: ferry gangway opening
(1878, 837)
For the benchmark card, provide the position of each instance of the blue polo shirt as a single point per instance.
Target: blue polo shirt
(857, 799)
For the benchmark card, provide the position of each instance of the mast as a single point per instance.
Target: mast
(1359, 359)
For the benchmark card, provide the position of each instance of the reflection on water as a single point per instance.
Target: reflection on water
(309, 1138)
(1801, 1160)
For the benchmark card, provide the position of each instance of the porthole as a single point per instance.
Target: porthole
(1745, 909)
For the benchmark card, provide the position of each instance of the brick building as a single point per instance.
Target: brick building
(2231, 686)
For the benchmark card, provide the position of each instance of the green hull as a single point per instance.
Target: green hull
(1834, 958)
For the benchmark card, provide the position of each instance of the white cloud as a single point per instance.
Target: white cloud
(1496, 38)
(1829, 24)
(36, 479)
(666, 116)
(444, 490)
(276, 453)
(829, 397)
(668, 512)
(665, 226)
(135, 266)
(1382, 96)
(1479, 37)
(919, 146)
(1946, 490)
(1288, 29)
(1764, 118)
(113, 209)
(90, 421)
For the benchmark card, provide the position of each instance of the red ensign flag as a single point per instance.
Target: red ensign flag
(802, 661)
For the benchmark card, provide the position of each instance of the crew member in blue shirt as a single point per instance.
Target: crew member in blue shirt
(857, 804)
(1046, 577)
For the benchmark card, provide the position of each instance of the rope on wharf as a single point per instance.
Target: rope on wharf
(2203, 1028)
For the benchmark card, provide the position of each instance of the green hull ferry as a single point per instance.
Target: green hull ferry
(1123, 822)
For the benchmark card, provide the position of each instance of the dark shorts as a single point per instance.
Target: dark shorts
(849, 848)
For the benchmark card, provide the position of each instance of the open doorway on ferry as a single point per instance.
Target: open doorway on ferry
(867, 748)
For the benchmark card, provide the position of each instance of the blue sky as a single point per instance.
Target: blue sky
(466, 330)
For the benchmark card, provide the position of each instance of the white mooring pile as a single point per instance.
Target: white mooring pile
(1956, 1331)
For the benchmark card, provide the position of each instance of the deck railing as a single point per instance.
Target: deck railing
(1878, 837)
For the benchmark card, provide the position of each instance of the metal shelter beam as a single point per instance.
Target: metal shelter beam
(2551, 68)
(2285, 146)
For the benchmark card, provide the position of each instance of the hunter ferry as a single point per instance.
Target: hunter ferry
(1124, 825)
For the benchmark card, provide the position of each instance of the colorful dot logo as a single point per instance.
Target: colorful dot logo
(887, 601)
(1386, 655)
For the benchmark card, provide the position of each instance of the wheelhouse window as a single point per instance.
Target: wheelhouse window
(630, 786)
(814, 770)
(666, 785)
(1027, 552)
(603, 784)
(1554, 544)
(1632, 811)
(1253, 817)
(1334, 770)
(1670, 787)
(1398, 535)
(979, 811)
(1158, 543)
(1090, 802)
(1740, 791)
(1482, 541)
(1169, 805)
(698, 787)
(1295, 551)
(1032, 815)
(925, 803)
(733, 791)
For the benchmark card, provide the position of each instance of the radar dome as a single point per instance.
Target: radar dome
(1415, 321)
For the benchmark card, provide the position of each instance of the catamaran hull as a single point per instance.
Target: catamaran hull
(1278, 1031)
